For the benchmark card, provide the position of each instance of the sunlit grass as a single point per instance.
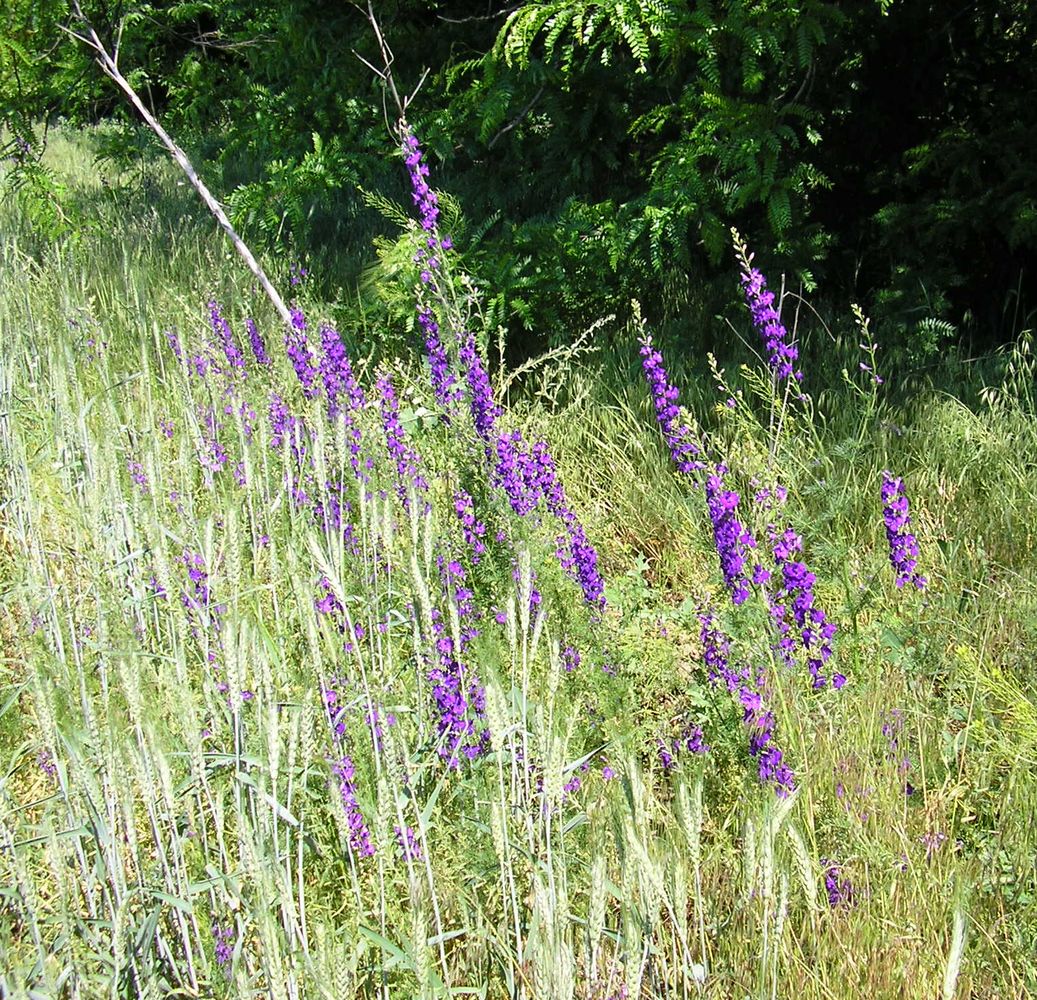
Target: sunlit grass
(169, 780)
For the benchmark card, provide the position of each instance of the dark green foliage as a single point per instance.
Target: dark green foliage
(602, 148)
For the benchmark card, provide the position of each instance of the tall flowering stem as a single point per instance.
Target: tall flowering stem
(408, 466)
(255, 338)
(225, 337)
(359, 835)
(683, 450)
(444, 382)
(733, 541)
(782, 352)
(527, 475)
(424, 197)
(903, 546)
(748, 686)
(795, 592)
(301, 356)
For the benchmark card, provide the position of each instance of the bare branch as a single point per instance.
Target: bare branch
(516, 120)
(480, 17)
(108, 66)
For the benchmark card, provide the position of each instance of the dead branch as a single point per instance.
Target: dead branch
(88, 36)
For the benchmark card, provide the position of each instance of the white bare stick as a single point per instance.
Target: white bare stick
(111, 70)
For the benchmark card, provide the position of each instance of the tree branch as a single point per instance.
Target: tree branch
(108, 66)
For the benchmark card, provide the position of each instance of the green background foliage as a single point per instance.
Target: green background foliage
(600, 148)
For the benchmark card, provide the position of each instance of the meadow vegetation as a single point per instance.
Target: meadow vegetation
(354, 662)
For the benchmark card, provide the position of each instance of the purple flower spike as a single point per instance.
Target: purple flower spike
(255, 338)
(444, 384)
(484, 410)
(782, 354)
(732, 540)
(903, 546)
(405, 458)
(667, 410)
(223, 946)
(796, 590)
(746, 684)
(840, 890)
(359, 836)
(225, 337)
(301, 356)
(424, 197)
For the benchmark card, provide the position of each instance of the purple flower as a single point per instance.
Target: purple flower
(667, 411)
(840, 890)
(335, 369)
(174, 344)
(458, 695)
(484, 410)
(782, 353)
(137, 475)
(301, 356)
(407, 841)
(903, 546)
(771, 766)
(474, 531)
(732, 540)
(405, 458)
(359, 836)
(225, 338)
(689, 742)
(424, 196)
(45, 761)
(255, 338)
(796, 589)
(223, 946)
(444, 384)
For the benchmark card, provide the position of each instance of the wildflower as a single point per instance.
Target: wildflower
(473, 530)
(225, 338)
(255, 339)
(137, 475)
(408, 467)
(667, 411)
(460, 698)
(796, 587)
(840, 890)
(903, 546)
(407, 840)
(484, 410)
(782, 353)
(690, 741)
(424, 197)
(444, 384)
(174, 344)
(731, 538)
(770, 760)
(45, 761)
(359, 836)
(223, 945)
(335, 369)
(300, 355)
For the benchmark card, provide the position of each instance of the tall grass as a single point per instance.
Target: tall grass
(216, 697)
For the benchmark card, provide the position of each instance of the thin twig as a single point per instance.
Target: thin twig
(517, 119)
